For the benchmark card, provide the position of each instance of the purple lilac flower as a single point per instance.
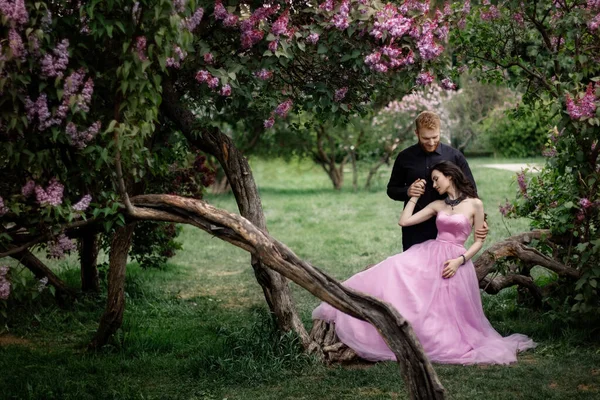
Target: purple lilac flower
(28, 189)
(61, 245)
(192, 22)
(52, 195)
(448, 84)
(269, 122)
(273, 45)
(4, 288)
(327, 5)
(213, 82)
(230, 20)
(585, 203)
(491, 14)
(4, 271)
(264, 74)
(55, 65)
(424, 79)
(340, 94)
(83, 204)
(226, 90)
(594, 23)
(506, 209)
(313, 38)
(251, 37)
(3, 208)
(83, 102)
(80, 140)
(208, 58)
(220, 11)
(16, 44)
(522, 183)
(15, 11)
(373, 58)
(280, 26)
(179, 5)
(140, 47)
(580, 216)
(203, 76)
(549, 152)
(341, 22)
(284, 108)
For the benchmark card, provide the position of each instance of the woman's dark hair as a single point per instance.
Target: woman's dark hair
(462, 184)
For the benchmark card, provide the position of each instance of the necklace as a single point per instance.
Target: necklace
(454, 202)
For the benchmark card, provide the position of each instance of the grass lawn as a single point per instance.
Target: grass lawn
(198, 328)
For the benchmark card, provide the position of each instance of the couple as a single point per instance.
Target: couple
(433, 282)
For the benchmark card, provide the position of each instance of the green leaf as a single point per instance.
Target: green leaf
(322, 49)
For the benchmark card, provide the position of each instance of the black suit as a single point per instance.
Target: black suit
(414, 163)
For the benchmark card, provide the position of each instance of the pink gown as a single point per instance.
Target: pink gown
(446, 314)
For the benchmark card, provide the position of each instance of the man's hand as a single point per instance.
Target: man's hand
(417, 189)
(481, 234)
(450, 267)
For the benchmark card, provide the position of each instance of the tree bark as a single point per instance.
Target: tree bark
(88, 255)
(39, 269)
(419, 376)
(115, 303)
(275, 287)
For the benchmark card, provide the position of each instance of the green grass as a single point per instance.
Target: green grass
(198, 328)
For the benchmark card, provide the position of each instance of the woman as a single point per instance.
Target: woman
(433, 285)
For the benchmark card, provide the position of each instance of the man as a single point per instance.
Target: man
(411, 176)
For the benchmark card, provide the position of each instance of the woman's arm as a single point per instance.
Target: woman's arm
(407, 218)
(451, 266)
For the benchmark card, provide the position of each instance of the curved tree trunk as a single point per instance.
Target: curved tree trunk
(420, 378)
(40, 270)
(88, 255)
(115, 303)
(275, 287)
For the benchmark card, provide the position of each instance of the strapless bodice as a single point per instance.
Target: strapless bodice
(453, 228)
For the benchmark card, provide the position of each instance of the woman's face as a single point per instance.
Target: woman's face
(441, 182)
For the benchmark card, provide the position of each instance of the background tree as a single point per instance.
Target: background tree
(548, 50)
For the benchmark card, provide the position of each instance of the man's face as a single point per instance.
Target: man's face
(429, 139)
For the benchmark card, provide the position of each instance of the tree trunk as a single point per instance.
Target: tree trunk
(88, 255)
(115, 303)
(275, 287)
(420, 378)
(354, 170)
(39, 269)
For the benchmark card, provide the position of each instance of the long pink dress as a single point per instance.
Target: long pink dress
(446, 314)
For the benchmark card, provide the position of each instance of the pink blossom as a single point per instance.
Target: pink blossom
(52, 195)
(518, 17)
(448, 84)
(380, 67)
(585, 203)
(580, 216)
(140, 47)
(373, 58)
(3, 208)
(226, 90)
(83, 204)
(327, 5)
(28, 189)
(208, 58)
(506, 209)
(428, 48)
(251, 37)
(594, 23)
(424, 78)
(269, 122)
(312, 38)
(340, 22)
(585, 107)
(284, 108)
(220, 11)
(59, 246)
(280, 26)
(273, 45)
(203, 76)
(522, 183)
(340, 94)
(230, 20)
(491, 14)
(213, 82)
(264, 74)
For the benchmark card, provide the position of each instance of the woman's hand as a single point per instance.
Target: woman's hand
(417, 189)
(450, 267)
